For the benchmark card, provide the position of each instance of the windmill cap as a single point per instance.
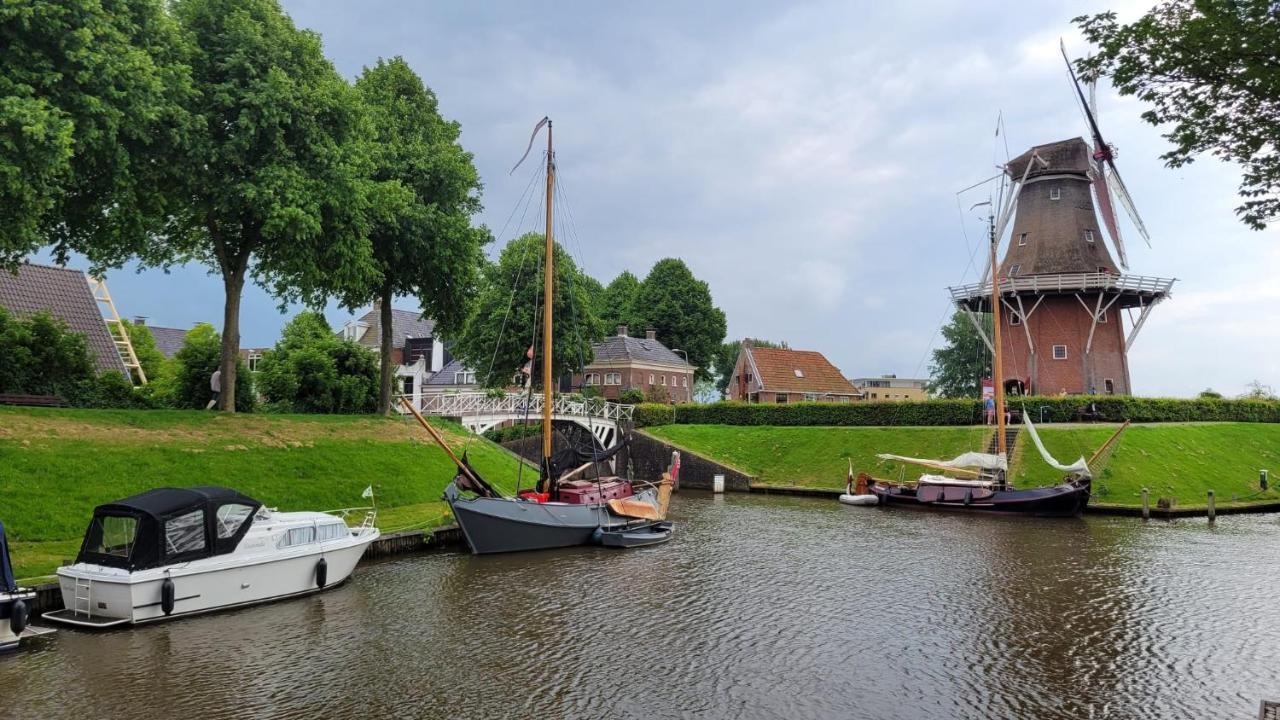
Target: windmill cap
(1064, 156)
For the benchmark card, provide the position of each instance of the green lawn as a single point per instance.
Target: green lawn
(56, 465)
(819, 456)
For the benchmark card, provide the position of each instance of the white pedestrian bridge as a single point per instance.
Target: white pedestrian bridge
(479, 412)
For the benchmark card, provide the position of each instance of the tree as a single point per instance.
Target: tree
(278, 184)
(426, 246)
(959, 366)
(193, 366)
(508, 311)
(91, 110)
(618, 303)
(39, 355)
(1209, 394)
(312, 370)
(1256, 390)
(727, 358)
(679, 306)
(1210, 70)
(144, 346)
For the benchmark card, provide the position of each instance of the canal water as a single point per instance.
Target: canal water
(762, 607)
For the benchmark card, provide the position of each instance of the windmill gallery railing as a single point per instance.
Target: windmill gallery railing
(479, 412)
(1069, 283)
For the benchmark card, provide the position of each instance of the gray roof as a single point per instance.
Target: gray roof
(64, 294)
(168, 340)
(444, 376)
(625, 347)
(404, 324)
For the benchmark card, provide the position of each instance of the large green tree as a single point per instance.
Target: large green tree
(679, 306)
(959, 366)
(426, 246)
(618, 302)
(312, 370)
(508, 310)
(92, 110)
(278, 184)
(1210, 72)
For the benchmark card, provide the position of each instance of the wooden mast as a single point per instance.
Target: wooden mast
(548, 287)
(997, 374)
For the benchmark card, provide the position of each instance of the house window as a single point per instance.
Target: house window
(1104, 269)
(780, 398)
(407, 387)
(650, 378)
(685, 381)
(1059, 352)
(254, 357)
(664, 380)
(1088, 236)
(1055, 193)
(591, 379)
(811, 397)
(1013, 271)
(873, 396)
(613, 378)
(1109, 386)
(1014, 318)
(748, 377)
(1022, 238)
(467, 377)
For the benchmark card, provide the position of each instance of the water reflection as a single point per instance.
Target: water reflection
(760, 607)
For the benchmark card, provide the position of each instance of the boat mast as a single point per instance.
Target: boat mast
(548, 286)
(997, 375)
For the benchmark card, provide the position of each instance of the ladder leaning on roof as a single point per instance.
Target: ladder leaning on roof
(116, 327)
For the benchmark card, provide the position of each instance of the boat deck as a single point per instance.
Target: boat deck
(71, 617)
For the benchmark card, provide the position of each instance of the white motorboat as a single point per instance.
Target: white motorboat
(15, 602)
(171, 552)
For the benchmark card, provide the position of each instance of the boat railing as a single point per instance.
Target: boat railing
(367, 522)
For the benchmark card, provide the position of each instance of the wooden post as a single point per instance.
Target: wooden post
(1146, 505)
(1212, 509)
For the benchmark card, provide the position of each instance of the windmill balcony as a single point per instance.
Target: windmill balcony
(1135, 290)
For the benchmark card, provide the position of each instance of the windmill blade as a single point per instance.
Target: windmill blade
(1106, 206)
(1122, 194)
(1100, 146)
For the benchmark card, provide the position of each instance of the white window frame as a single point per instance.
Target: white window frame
(591, 379)
(467, 377)
(651, 379)
(1022, 239)
(1102, 317)
(664, 381)
(1055, 193)
(1109, 386)
(1055, 352)
(1015, 269)
(1014, 318)
(685, 381)
(1088, 236)
(613, 378)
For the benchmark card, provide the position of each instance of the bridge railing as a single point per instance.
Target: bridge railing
(518, 405)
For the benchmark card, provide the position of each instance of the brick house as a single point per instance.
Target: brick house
(621, 363)
(781, 375)
(415, 350)
(64, 294)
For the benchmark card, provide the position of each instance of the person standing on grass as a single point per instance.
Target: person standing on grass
(990, 404)
(215, 384)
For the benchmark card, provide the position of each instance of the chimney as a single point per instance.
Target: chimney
(139, 319)
(622, 331)
(650, 334)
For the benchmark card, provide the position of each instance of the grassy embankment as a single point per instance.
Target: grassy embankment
(56, 465)
(1181, 460)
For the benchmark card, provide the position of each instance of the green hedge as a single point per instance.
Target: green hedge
(959, 412)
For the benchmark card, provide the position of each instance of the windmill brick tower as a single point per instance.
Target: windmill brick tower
(1064, 297)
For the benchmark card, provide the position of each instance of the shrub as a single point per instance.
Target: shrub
(647, 414)
(634, 396)
(313, 371)
(39, 355)
(110, 390)
(513, 432)
(194, 365)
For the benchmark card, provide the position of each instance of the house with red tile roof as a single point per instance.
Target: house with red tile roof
(783, 375)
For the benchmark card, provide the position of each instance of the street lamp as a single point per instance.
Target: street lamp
(689, 395)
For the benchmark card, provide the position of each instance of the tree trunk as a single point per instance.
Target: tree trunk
(233, 283)
(386, 371)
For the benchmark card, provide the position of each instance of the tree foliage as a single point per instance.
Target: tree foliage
(278, 183)
(193, 366)
(91, 112)
(508, 310)
(1210, 71)
(39, 355)
(426, 245)
(618, 303)
(959, 366)
(727, 358)
(312, 370)
(679, 306)
(144, 346)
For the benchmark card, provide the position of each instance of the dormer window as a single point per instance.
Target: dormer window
(1088, 236)
(1055, 193)
(1022, 239)
(799, 373)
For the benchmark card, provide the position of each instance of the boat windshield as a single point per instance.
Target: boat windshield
(112, 535)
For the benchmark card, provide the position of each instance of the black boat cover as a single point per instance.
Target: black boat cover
(7, 581)
(167, 525)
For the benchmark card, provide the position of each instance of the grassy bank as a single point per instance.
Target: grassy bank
(56, 465)
(1179, 460)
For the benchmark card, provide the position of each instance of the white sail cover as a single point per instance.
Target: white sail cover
(1079, 466)
(986, 461)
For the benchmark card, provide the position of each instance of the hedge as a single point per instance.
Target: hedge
(959, 412)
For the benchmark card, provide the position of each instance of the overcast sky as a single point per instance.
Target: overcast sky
(803, 159)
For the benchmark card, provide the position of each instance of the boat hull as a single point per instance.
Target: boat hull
(204, 586)
(498, 525)
(1066, 500)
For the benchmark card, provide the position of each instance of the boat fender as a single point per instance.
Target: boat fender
(18, 616)
(322, 572)
(167, 596)
(597, 536)
(968, 496)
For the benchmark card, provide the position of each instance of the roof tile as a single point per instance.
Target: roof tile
(65, 294)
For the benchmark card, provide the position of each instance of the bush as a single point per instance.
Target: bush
(194, 365)
(110, 390)
(313, 371)
(513, 432)
(634, 396)
(647, 414)
(39, 355)
(963, 412)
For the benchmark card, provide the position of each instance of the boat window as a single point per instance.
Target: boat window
(297, 536)
(333, 531)
(113, 535)
(231, 517)
(184, 533)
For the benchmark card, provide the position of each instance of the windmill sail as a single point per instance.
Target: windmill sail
(1080, 466)
(1102, 191)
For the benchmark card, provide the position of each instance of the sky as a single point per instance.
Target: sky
(804, 159)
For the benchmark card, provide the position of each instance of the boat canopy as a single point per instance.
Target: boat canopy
(986, 461)
(927, 479)
(167, 525)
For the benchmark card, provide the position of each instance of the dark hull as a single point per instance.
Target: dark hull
(1066, 500)
(651, 534)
